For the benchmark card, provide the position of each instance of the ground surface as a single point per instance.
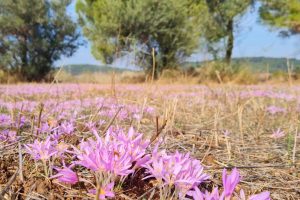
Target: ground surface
(223, 126)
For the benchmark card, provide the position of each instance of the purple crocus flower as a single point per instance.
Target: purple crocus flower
(67, 128)
(61, 148)
(8, 135)
(12, 136)
(101, 122)
(90, 125)
(105, 191)
(214, 195)
(43, 150)
(66, 175)
(110, 157)
(3, 135)
(5, 120)
(274, 110)
(226, 133)
(44, 128)
(230, 182)
(277, 134)
(176, 169)
(196, 194)
(261, 196)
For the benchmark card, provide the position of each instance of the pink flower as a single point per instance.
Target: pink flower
(278, 134)
(274, 110)
(106, 191)
(230, 182)
(12, 136)
(196, 194)
(133, 142)
(67, 128)
(5, 120)
(176, 169)
(90, 125)
(226, 133)
(66, 175)
(8, 135)
(116, 153)
(97, 156)
(43, 150)
(261, 196)
(214, 195)
(101, 122)
(61, 148)
(44, 128)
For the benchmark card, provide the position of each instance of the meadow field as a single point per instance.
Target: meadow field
(149, 141)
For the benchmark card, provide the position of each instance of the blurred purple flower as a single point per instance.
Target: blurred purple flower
(61, 148)
(274, 110)
(214, 195)
(106, 191)
(230, 182)
(44, 128)
(67, 128)
(5, 120)
(8, 135)
(66, 175)
(101, 122)
(277, 134)
(43, 150)
(226, 133)
(261, 196)
(90, 125)
(196, 194)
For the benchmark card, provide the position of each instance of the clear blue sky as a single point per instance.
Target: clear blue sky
(252, 39)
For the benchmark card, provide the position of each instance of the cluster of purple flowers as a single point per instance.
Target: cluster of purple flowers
(8, 135)
(179, 170)
(229, 185)
(116, 153)
(41, 150)
(120, 153)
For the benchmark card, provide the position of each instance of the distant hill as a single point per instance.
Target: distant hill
(86, 68)
(258, 63)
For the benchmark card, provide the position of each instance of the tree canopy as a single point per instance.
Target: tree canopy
(34, 34)
(284, 14)
(169, 27)
(221, 18)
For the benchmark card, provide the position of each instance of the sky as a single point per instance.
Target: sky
(252, 39)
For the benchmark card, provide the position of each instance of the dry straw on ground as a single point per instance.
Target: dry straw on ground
(190, 118)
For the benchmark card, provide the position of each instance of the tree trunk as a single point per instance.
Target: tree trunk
(230, 42)
(23, 55)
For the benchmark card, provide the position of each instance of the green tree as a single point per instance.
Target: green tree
(282, 14)
(34, 34)
(221, 17)
(117, 27)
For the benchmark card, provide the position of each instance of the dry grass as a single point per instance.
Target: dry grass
(197, 116)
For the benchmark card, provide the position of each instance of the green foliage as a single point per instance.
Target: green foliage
(86, 68)
(222, 73)
(219, 25)
(281, 14)
(34, 34)
(258, 64)
(117, 27)
(290, 143)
